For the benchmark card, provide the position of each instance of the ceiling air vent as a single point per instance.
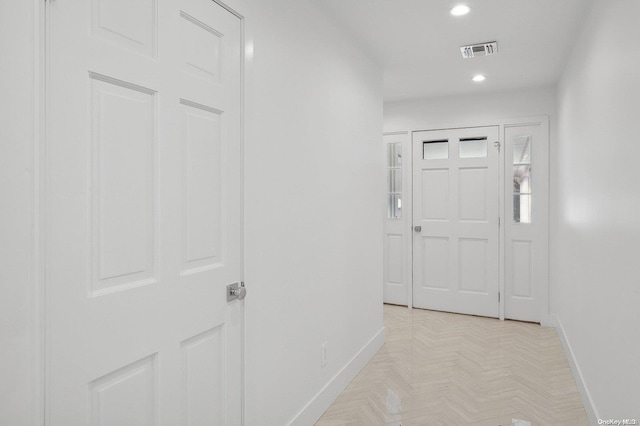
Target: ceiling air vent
(481, 49)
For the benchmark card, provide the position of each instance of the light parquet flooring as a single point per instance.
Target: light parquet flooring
(438, 368)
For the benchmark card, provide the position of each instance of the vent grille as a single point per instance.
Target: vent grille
(481, 49)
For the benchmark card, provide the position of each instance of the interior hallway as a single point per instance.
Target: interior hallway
(446, 369)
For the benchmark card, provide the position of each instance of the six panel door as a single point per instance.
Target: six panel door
(455, 206)
(143, 213)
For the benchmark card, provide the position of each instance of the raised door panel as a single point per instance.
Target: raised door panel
(202, 188)
(127, 396)
(435, 263)
(395, 259)
(124, 185)
(521, 278)
(202, 49)
(472, 194)
(435, 194)
(131, 24)
(203, 378)
(472, 265)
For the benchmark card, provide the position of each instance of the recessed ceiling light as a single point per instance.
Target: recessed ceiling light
(478, 78)
(459, 10)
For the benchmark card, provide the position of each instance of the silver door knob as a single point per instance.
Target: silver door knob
(417, 228)
(236, 291)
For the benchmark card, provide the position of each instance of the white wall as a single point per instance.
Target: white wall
(595, 218)
(478, 109)
(16, 144)
(313, 208)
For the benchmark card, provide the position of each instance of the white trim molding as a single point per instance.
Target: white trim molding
(316, 407)
(587, 401)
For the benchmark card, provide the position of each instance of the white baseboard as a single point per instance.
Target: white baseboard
(589, 406)
(314, 409)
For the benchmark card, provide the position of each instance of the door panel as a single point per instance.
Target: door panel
(472, 265)
(435, 194)
(456, 206)
(123, 179)
(527, 226)
(143, 213)
(397, 273)
(435, 263)
(472, 202)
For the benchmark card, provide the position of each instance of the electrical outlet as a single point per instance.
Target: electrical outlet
(323, 354)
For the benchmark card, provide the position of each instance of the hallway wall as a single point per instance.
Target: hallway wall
(451, 111)
(17, 337)
(313, 186)
(595, 216)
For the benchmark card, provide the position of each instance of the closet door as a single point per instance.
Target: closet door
(143, 213)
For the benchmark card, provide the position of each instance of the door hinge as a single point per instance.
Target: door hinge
(498, 297)
(496, 144)
(499, 222)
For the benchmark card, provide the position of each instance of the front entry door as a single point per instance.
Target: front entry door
(455, 216)
(143, 213)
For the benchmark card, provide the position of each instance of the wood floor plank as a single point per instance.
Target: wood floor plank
(437, 368)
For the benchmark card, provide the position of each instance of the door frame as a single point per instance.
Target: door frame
(39, 97)
(502, 124)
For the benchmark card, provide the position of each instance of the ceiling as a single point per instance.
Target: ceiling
(417, 42)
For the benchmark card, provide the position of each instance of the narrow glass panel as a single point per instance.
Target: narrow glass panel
(435, 150)
(522, 150)
(394, 206)
(522, 193)
(395, 180)
(395, 154)
(522, 208)
(473, 148)
(522, 179)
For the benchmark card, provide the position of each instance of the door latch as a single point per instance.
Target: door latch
(236, 291)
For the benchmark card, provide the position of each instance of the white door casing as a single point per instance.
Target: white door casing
(143, 213)
(456, 204)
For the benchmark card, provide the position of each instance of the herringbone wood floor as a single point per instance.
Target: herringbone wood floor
(446, 369)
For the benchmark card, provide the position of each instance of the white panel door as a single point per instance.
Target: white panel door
(397, 274)
(455, 217)
(143, 213)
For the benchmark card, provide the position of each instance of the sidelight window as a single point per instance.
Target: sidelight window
(522, 179)
(394, 181)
